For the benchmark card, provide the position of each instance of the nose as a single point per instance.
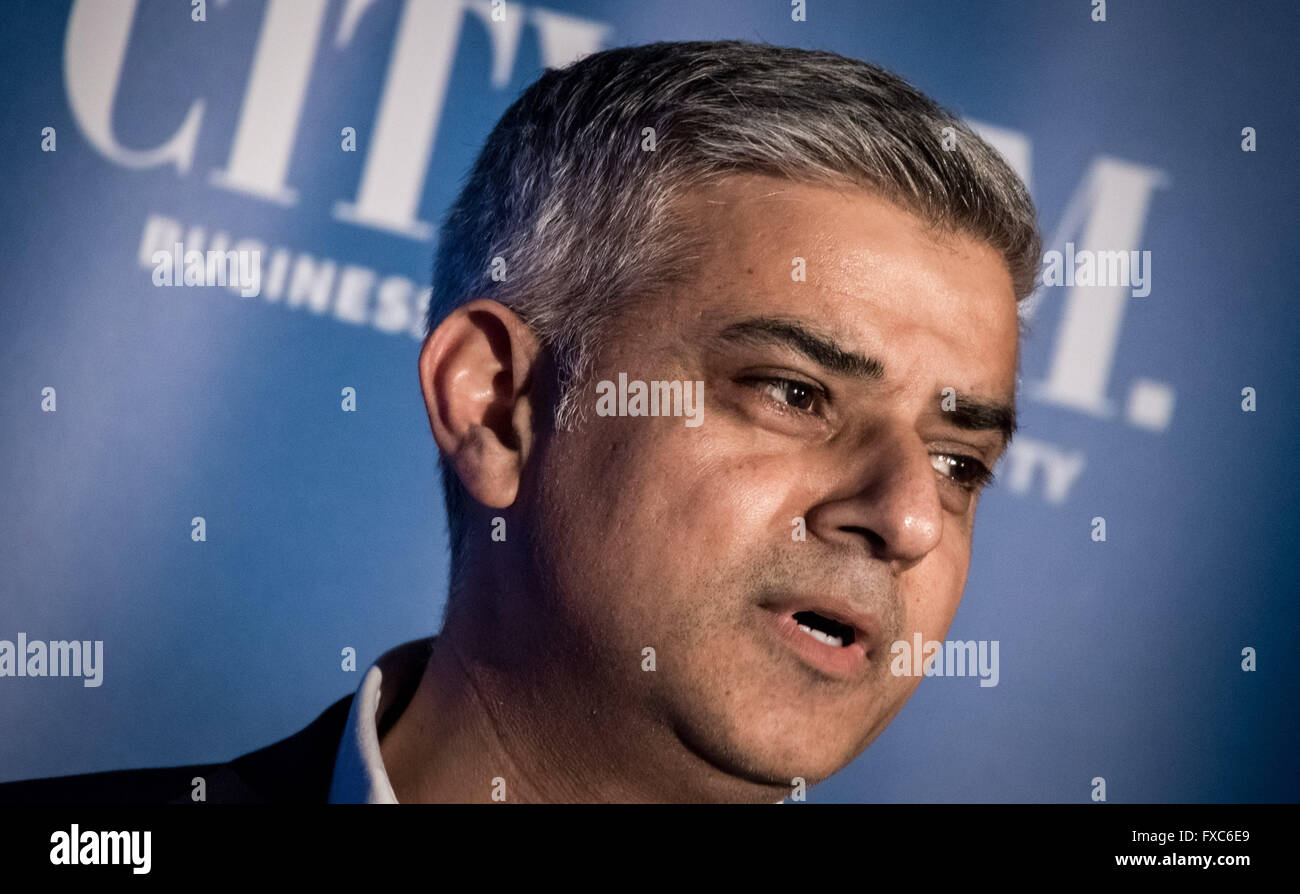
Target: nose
(887, 500)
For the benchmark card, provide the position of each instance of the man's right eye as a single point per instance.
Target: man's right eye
(797, 395)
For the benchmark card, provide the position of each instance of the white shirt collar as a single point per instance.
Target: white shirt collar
(359, 774)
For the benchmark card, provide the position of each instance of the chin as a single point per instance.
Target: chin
(813, 758)
(778, 749)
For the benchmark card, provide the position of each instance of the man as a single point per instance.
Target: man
(722, 350)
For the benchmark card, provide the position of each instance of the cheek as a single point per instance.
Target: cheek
(671, 509)
(934, 588)
(726, 503)
(644, 502)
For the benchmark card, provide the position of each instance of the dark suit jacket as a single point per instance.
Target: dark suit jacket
(296, 770)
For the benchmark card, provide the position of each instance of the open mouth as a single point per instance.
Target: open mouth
(823, 629)
(837, 646)
(826, 632)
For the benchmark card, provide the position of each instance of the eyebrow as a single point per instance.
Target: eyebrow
(969, 412)
(976, 414)
(817, 348)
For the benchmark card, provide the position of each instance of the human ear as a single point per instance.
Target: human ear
(476, 373)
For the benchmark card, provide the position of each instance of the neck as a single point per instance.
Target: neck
(518, 718)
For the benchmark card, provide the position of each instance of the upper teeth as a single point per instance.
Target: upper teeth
(821, 637)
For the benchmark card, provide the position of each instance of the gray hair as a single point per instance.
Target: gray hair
(585, 219)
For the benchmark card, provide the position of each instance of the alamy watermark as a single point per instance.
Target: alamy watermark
(1131, 269)
(57, 658)
(76, 847)
(179, 267)
(952, 658)
(638, 398)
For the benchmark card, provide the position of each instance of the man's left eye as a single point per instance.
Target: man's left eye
(964, 471)
(796, 395)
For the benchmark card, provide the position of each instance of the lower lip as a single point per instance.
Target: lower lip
(841, 662)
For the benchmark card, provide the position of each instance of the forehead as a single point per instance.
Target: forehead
(934, 306)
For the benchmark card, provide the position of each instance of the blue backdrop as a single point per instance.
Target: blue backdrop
(1120, 659)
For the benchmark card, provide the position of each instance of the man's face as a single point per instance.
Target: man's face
(823, 413)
